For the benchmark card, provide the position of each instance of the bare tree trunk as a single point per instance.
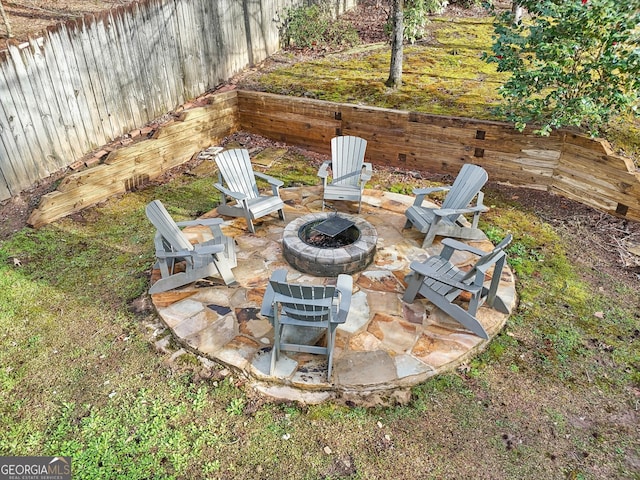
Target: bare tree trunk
(6, 20)
(395, 69)
(517, 11)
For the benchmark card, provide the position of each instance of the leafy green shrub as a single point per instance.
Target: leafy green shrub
(311, 26)
(573, 63)
(416, 18)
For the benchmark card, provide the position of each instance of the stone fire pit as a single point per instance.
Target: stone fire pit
(353, 251)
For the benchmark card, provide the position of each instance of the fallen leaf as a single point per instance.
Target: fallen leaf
(17, 262)
(599, 314)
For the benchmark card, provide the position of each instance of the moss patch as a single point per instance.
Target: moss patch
(447, 77)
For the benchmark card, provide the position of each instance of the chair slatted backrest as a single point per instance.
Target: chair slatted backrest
(468, 183)
(166, 226)
(347, 157)
(235, 168)
(304, 302)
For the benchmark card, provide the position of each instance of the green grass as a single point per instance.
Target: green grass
(80, 376)
(553, 396)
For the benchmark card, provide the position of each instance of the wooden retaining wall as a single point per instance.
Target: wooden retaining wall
(571, 165)
(129, 167)
(566, 163)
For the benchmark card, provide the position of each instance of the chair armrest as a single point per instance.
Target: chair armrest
(323, 171)
(445, 212)
(270, 179)
(367, 172)
(460, 246)
(205, 222)
(344, 285)
(226, 191)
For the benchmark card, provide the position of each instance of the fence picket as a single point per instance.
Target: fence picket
(86, 42)
(48, 102)
(18, 118)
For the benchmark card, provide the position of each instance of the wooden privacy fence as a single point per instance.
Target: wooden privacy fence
(89, 81)
(571, 165)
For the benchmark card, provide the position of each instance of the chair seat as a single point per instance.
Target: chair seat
(342, 192)
(262, 206)
(423, 218)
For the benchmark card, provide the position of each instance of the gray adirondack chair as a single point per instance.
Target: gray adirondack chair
(349, 171)
(301, 312)
(448, 220)
(441, 282)
(236, 179)
(213, 257)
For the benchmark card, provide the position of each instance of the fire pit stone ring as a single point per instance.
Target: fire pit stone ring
(328, 261)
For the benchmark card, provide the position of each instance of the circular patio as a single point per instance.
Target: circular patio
(386, 345)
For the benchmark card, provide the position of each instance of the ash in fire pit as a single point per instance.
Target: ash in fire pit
(321, 240)
(325, 244)
(334, 232)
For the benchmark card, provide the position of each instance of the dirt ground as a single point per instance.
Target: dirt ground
(30, 18)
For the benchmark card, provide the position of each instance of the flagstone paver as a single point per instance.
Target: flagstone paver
(386, 345)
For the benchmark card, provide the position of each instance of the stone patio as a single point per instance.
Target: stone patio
(385, 347)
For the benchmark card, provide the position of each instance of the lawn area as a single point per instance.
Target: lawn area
(554, 395)
(85, 373)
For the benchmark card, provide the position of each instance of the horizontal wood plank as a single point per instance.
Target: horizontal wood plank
(577, 167)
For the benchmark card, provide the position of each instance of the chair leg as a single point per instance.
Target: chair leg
(414, 284)
(224, 270)
(250, 224)
(331, 333)
(456, 312)
(275, 351)
(429, 237)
